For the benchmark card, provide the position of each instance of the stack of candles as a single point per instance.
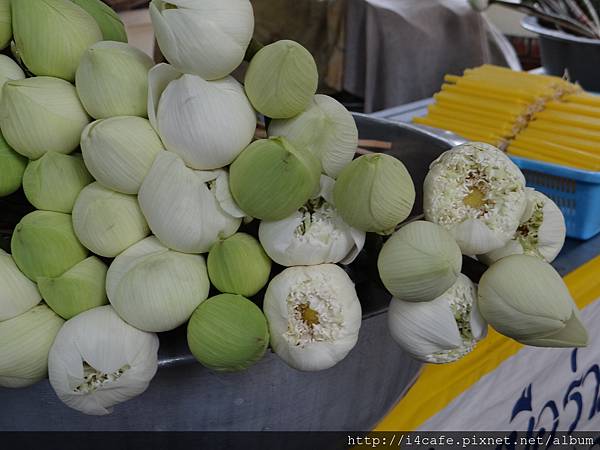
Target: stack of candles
(532, 116)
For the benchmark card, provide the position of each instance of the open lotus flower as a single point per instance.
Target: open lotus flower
(541, 233)
(314, 234)
(98, 361)
(188, 210)
(478, 194)
(207, 123)
(207, 38)
(314, 316)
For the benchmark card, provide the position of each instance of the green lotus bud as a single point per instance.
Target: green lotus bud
(108, 20)
(271, 179)
(228, 333)
(326, 128)
(41, 114)
(108, 222)
(44, 245)
(17, 293)
(26, 342)
(5, 24)
(81, 288)
(154, 288)
(12, 167)
(9, 70)
(419, 262)
(524, 298)
(54, 181)
(374, 193)
(51, 35)
(119, 151)
(281, 79)
(112, 80)
(238, 265)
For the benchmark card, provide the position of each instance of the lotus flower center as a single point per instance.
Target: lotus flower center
(314, 314)
(94, 379)
(309, 316)
(528, 232)
(475, 199)
(320, 222)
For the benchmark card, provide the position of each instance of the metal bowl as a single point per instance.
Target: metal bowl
(563, 51)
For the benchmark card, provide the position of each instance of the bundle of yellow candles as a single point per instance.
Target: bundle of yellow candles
(532, 116)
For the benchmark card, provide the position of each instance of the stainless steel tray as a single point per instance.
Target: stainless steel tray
(354, 395)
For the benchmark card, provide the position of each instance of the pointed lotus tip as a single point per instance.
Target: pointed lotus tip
(573, 334)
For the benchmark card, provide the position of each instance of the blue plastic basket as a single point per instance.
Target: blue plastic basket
(575, 191)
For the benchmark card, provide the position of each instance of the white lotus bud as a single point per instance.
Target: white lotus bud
(442, 330)
(119, 151)
(108, 222)
(207, 38)
(188, 210)
(112, 80)
(41, 114)
(207, 123)
(98, 361)
(419, 262)
(154, 288)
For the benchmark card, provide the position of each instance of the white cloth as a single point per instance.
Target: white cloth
(534, 389)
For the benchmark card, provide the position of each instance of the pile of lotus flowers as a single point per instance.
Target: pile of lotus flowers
(146, 178)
